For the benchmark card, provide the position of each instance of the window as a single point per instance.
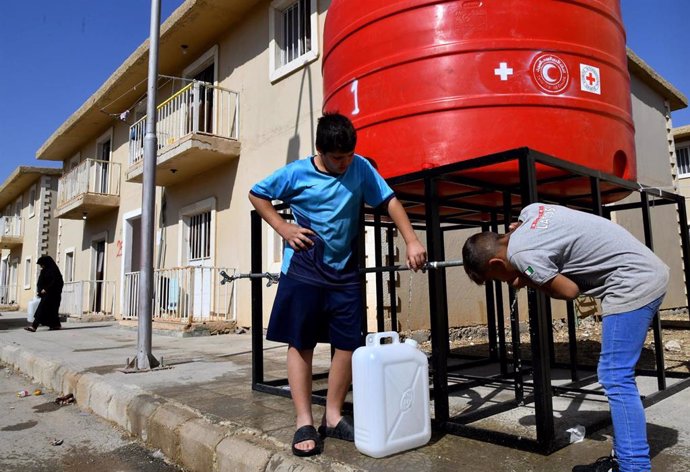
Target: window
(27, 273)
(32, 201)
(200, 236)
(293, 35)
(683, 159)
(69, 266)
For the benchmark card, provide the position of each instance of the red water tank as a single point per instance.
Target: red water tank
(428, 83)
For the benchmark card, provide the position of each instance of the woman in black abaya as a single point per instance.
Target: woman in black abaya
(49, 288)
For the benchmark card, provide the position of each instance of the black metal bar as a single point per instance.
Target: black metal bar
(361, 253)
(656, 322)
(257, 302)
(685, 245)
(378, 261)
(596, 196)
(392, 289)
(572, 340)
(491, 308)
(549, 331)
(517, 347)
(497, 158)
(543, 404)
(634, 206)
(500, 319)
(496, 437)
(437, 303)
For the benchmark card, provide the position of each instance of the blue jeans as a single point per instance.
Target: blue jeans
(621, 345)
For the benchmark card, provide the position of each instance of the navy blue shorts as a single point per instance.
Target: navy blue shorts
(305, 314)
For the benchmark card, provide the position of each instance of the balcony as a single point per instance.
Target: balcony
(11, 232)
(183, 294)
(197, 130)
(88, 190)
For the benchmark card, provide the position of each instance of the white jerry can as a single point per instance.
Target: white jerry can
(390, 389)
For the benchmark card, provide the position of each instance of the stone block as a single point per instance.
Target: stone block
(164, 429)
(198, 441)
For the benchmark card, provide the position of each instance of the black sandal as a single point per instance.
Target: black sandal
(306, 433)
(344, 430)
(30, 328)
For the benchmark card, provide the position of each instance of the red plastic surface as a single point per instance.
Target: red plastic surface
(428, 83)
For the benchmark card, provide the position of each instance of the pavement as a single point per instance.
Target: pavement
(202, 413)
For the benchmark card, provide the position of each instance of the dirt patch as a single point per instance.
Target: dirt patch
(473, 340)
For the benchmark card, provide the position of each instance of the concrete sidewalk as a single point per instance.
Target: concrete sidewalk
(203, 414)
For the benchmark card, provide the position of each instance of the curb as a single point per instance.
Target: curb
(182, 433)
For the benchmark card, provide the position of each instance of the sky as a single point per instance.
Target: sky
(55, 54)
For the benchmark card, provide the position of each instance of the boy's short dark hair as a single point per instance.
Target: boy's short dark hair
(335, 133)
(478, 250)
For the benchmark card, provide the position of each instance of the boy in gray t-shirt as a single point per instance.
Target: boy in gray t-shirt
(565, 253)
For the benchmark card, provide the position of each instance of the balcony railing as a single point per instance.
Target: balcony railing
(199, 107)
(92, 176)
(183, 294)
(8, 294)
(88, 297)
(11, 227)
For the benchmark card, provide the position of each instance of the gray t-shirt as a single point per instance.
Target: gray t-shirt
(601, 257)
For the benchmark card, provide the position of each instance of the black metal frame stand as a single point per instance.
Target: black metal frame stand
(466, 195)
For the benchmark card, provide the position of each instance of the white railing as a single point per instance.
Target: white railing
(11, 226)
(8, 294)
(90, 176)
(88, 297)
(199, 107)
(184, 294)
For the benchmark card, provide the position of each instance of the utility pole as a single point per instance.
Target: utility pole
(145, 359)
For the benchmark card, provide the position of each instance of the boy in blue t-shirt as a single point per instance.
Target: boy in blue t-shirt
(319, 297)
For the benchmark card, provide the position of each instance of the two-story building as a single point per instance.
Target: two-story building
(28, 230)
(240, 91)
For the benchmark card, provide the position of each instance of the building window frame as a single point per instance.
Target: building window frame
(32, 201)
(27, 273)
(281, 18)
(185, 216)
(68, 269)
(683, 160)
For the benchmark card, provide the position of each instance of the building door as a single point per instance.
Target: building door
(12, 278)
(132, 265)
(102, 168)
(4, 280)
(98, 276)
(204, 99)
(199, 259)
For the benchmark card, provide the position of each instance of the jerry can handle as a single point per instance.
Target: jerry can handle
(374, 339)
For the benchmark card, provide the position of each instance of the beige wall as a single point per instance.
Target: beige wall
(34, 244)
(652, 136)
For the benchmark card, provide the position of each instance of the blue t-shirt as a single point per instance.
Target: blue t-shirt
(329, 205)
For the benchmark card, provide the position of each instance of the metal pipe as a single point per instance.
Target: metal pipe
(145, 359)
(274, 277)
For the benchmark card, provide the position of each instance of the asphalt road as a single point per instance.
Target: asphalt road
(30, 425)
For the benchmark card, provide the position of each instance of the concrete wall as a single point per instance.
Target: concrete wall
(39, 234)
(652, 135)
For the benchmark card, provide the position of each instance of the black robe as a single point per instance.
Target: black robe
(50, 280)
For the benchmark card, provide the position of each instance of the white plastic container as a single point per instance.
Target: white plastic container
(390, 387)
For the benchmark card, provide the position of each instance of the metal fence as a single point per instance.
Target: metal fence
(184, 294)
(88, 297)
(8, 294)
(199, 107)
